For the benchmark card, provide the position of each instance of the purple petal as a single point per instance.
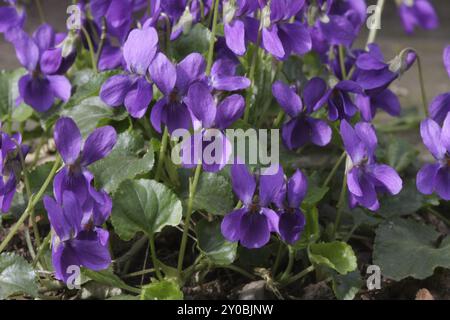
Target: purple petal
(229, 110)
(353, 145)
(320, 133)
(235, 36)
(177, 116)
(60, 87)
(367, 61)
(287, 98)
(163, 73)
(439, 107)
(63, 257)
(111, 58)
(269, 186)
(243, 183)
(272, 218)
(295, 133)
(92, 250)
(443, 183)
(115, 89)
(367, 135)
(431, 136)
(217, 153)
(297, 37)
(190, 69)
(98, 145)
(27, 51)
(445, 133)
(297, 187)
(388, 101)
(231, 225)
(254, 230)
(447, 59)
(140, 49)
(51, 61)
(201, 102)
(369, 198)
(44, 37)
(353, 182)
(387, 177)
(70, 180)
(138, 99)
(272, 43)
(67, 139)
(157, 115)
(230, 83)
(426, 178)
(291, 226)
(315, 89)
(36, 92)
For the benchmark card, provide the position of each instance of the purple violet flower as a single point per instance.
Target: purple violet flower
(44, 81)
(174, 83)
(292, 220)
(436, 177)
(254, 222)
(132, 89)
(417, 13)
(11, 16)
(440, 106)
(365, 177)
(302, 128)
(74, 176)
(203, 106)
(223, 76)
(75, 243)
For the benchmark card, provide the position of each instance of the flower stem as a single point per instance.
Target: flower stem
(192, 190)
(290, 265)
(102, 42)
(239, 270)
(279, 119)
(251, 76)
(31, 204)
(342, 61)
(213, 38)
(91, 48)
(278, 259)
(299, 276)
(340, 206)
(154, 257)
(162, 153)
(373, 32)
(40, 11)
(334, 170)
(422, 86)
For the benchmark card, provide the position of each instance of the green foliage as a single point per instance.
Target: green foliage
(336, 255)
(162, 290)
(144, 205)
(16, 276)
(213, 245)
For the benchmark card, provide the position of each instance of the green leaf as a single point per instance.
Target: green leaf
(346, 287)
(38, 176)
(108, 278)
(88, 85)
(406, 248)
(315, 195)
(9, 90)
(336, 255)
(16, 276)
(89, 112)
(162, 290)
(22, 113)
(197, 40)
(144, 205)
(214, 194)
(409, 201)
(400, 154)
(213, 244)
(123, 162)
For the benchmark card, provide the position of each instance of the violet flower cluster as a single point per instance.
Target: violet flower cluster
(78, 211)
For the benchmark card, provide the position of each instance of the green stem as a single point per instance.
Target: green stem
(31, 204)
(162, 154)
(334, 170)
(251, 76)
(102, 42)
(213, 38)
(239, 270)
(154, 257)
(373, 32)
(422, 86)
(290, 265)
(342, 61)
(340, 206)
(279, 119)
(299, 276)
(91, 48)
(192, 190)
(278, 259)
(138, 273)
(40, 11)
(40, 252)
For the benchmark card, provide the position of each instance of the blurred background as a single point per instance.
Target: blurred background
(391, 37)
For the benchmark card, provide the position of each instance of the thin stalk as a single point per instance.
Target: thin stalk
(278, 259)
(154, 257)
(290, 265)
(299, 276)
(91, 48)
(162, 154)
(422, 86)
(139, 273)
(213, 38)
(334, 170)
(342, 61)
(40, 11)
(239, 270)
(40, 252)
(251, 76)
(340, 206)
(187, 221)
(31, 204)
(373, 32)
(279, 119)
(102, 42)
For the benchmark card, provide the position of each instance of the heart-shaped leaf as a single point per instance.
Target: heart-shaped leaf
(144, 205)
(162, 290)
(336, 255)
(213, 244)
(16, 276)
